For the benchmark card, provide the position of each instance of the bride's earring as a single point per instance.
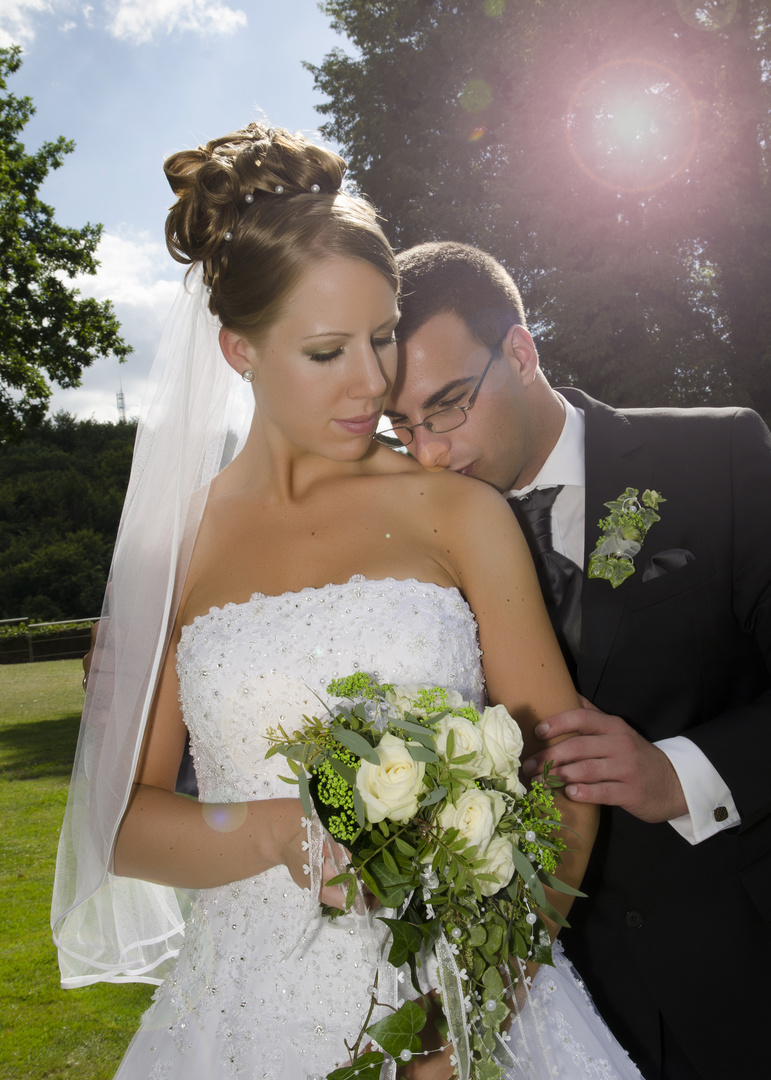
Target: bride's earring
(248, 375)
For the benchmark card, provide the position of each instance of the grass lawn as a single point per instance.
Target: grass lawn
(46, 1032)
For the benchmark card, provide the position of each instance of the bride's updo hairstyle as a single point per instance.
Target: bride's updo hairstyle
(255, 208)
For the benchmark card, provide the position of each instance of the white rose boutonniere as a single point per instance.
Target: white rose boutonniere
(623, 533)
(391, 789)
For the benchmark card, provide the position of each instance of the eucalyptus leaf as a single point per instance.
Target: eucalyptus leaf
(422, 753)
(434, 796)
(348, 774)
(527, 871)
(356, 744)
(560, 886)
(305, 795)
(358, 807)
(418, 731)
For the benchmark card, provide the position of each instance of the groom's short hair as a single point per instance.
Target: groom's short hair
(444, 277)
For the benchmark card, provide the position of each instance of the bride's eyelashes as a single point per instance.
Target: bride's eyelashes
(377, 343)
(325, 357)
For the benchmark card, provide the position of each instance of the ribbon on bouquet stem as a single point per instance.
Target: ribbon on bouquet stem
(454, 1004)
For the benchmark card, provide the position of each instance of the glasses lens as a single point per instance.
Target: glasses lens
(390, 436)
(446, 420)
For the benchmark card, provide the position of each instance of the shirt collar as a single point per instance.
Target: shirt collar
(566, 464)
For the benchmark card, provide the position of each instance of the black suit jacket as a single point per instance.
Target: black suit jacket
(671, 929)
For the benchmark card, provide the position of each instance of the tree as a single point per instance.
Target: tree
(48, 332)
(613, 154)
(61, 495)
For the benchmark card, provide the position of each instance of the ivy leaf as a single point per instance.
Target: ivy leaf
(366, 1065)
(407, 939)
(400, 1031)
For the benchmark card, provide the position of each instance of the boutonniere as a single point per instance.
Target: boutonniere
(623, 532)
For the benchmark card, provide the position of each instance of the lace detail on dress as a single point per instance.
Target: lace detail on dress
(246, 667)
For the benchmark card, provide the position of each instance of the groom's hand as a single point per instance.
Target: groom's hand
(601, 759)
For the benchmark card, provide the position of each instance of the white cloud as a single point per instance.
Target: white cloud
(133, 21)
(139, 21)
(138, 276)
(18, 18)
(134, 271)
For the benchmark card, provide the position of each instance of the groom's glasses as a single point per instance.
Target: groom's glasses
(437, 423)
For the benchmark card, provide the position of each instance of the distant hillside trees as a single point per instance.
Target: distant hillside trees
(61, 494)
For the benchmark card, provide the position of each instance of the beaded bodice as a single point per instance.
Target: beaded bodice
(244, 668)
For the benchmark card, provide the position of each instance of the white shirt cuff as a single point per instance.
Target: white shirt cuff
(711, 807)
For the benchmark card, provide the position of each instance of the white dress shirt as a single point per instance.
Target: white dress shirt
(703, 786)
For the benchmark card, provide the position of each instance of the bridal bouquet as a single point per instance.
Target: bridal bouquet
(422, 791)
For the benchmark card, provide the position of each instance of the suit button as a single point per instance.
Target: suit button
(634, 919)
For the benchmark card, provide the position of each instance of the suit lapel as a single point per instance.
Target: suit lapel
(609, 441)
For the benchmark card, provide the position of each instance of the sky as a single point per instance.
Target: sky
(132, 81)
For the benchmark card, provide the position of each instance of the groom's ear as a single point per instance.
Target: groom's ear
(519, 350)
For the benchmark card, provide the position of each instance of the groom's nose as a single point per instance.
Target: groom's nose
(432, 451)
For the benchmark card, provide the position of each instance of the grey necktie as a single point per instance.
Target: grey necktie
(559, 577)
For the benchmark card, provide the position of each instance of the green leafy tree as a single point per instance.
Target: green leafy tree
(48, 331)
(61, 495)
(613, 154)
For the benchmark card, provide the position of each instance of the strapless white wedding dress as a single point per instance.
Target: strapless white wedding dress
(265, 987)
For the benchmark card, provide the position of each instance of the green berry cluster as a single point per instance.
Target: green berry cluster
(334, 792)
(359, 685)
(538, 813)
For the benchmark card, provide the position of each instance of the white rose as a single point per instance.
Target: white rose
(503, 742)
(402, 698)
(475, 816)
(391, 789)
(499, 862)
(468, 740)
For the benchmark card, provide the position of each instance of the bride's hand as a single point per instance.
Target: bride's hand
(291, 836)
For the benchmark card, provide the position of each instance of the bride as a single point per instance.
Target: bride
(249, 571)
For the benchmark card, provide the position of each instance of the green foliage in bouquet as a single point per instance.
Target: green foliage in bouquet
(423, 792)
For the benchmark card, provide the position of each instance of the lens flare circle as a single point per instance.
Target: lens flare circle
(707, 14)
(476, 95)
(632, 125)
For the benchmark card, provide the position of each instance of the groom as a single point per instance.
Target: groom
(674, 939)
